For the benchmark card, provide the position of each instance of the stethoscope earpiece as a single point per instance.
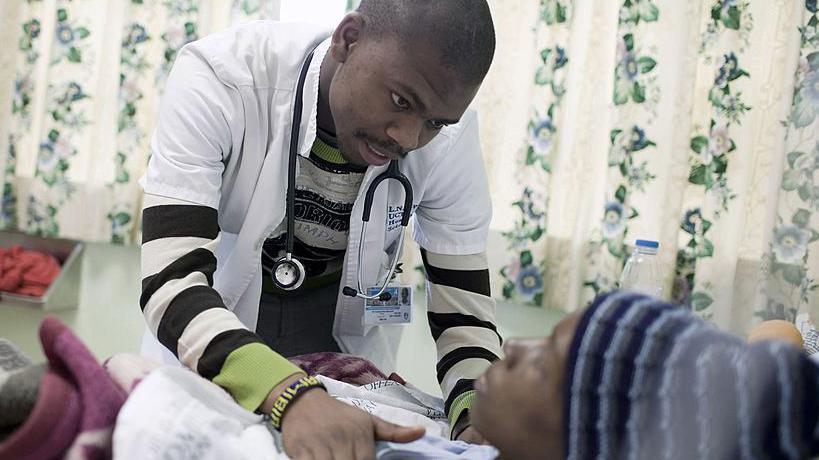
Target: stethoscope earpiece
(382, 297)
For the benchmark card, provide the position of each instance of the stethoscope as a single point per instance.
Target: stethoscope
(288, 273)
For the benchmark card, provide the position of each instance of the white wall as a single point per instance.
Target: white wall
(325, 12)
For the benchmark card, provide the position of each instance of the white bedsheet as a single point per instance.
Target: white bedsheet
(174, 414)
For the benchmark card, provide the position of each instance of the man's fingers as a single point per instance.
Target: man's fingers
(472, 438)
(471, 435)
(302, 454)
(364, 447)
(343, 445)
(385, 431)
(299, 452)
(323, 452)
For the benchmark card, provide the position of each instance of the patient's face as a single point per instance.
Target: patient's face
(520, 398)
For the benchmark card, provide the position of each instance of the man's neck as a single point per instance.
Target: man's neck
(325, 115)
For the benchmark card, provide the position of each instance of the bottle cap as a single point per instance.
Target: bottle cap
(647, 244)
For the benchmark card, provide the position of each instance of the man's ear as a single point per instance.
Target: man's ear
(346, 36)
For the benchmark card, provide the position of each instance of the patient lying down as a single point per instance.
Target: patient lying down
(631, 377)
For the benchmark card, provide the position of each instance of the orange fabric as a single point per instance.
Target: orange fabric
(26, 272)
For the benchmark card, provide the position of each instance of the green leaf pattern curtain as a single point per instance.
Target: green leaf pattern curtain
(692, 123)
(80, 95)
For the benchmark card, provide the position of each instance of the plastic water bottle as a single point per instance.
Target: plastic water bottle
(642, 272)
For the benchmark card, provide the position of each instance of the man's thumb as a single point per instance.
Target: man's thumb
(386, 431)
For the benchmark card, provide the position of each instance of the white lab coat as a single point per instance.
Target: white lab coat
(223, 140)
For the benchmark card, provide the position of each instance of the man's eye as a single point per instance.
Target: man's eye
(400, 102)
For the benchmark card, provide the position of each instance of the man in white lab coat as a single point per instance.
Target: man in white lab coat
(392, 82)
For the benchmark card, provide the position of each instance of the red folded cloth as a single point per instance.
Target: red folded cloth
(27, 272)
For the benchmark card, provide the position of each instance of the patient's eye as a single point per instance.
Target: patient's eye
(517, 350)
(436, 125)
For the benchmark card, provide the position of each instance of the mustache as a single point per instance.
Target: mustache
(386, 147)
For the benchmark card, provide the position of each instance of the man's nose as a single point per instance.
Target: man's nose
(406, 133)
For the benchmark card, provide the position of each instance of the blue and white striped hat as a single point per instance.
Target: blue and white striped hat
(649, 380)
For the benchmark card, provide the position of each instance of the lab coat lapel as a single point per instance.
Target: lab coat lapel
(268, 204)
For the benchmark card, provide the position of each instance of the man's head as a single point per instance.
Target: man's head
(519, 403)
(400, 70)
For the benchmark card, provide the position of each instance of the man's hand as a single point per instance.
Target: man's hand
(471, 435)
(466, 432)
(316, 426)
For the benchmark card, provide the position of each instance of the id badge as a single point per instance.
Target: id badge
(396, 310)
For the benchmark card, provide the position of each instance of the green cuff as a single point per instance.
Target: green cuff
(327, 152)
(462, 402)
(251, 371)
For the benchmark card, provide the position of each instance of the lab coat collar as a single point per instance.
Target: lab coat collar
(311, 95)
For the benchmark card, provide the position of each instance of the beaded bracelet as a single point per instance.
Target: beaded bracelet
(293, 392)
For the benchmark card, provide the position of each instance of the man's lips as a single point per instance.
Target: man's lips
(370, 155)
(383, 153)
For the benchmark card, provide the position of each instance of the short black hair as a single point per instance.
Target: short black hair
(461, 29)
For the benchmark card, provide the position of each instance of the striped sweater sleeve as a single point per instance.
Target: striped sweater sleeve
(187, 315)
(461, 315)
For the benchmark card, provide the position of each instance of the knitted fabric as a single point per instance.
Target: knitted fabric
(811, 341)
(345, 368)
(76, 406)
(649, 380)
(19, 384)
(128, 369)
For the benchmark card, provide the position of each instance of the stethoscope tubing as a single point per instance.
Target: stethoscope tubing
(393, 172)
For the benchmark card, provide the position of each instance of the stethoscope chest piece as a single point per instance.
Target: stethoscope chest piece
(288, 273)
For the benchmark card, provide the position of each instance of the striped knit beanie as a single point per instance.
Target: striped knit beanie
(649, 380)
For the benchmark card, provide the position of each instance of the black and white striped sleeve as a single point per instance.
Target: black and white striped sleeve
(183, 188)
(181, 307)
(461, 315)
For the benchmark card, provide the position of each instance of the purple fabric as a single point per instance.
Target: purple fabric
(77, 407)
(52, 425)
(337, 366)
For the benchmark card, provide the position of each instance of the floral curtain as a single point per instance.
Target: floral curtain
(690, 123)
(80, 92)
